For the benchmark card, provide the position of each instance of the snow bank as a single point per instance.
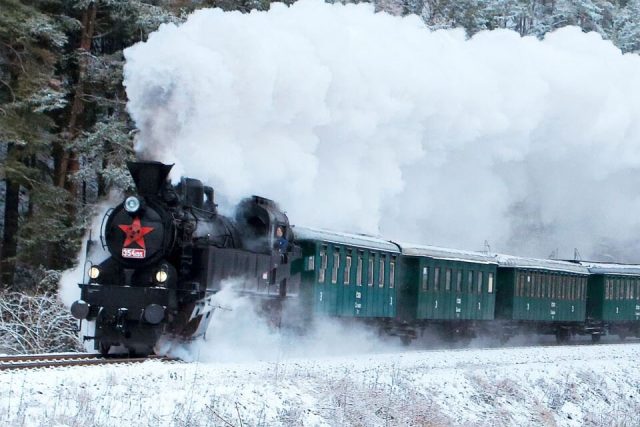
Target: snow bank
(564, 386)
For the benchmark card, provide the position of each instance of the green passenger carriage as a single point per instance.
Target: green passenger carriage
(547, 296)
(449, 289)
(614, 298)
(406, 289)
(348, 275)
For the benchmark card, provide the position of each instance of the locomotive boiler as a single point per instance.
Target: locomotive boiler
(170, 250)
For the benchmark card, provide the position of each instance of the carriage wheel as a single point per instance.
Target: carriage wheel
(562, 336)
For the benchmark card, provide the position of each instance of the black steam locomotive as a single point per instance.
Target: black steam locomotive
(170, 251)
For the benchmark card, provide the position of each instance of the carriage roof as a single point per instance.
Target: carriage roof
(510, 261)
(364, 241)
(611, 268)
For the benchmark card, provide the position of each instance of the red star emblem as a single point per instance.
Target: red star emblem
(135, 233)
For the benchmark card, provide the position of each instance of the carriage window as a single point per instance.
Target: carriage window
(532, 285)
(392, 274)
(459, 281)
(479, 283)
(470, 282)
(370, 271)
(606, 289)
(631, 289)
(490, 283)
(618, 289)
(323, 264)
(383, 259)
(359, 270)
(562, 288)
(534, 282)
(572, 288)
(583, 289)
(447, 280)
(347, 270)
(311, 263)
(546, 278)
(425, 278)
(436, 279)
(610, 289)
(336, 265)
(626, 289)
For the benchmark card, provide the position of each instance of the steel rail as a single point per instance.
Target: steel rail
(32, 361)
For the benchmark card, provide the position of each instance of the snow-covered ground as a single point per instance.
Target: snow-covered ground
(549, 385)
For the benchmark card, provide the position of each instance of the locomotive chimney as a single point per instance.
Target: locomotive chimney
(149, 176)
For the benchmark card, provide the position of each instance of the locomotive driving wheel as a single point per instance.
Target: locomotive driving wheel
(104, 349)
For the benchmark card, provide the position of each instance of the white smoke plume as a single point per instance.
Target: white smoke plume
(68, 289)
(237, 333)
(363, 121)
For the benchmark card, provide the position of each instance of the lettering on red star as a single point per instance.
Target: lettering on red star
(134, 233)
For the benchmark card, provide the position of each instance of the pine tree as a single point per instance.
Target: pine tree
(30, 92)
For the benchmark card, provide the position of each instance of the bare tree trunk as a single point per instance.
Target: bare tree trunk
(10, 237)
(66, 159)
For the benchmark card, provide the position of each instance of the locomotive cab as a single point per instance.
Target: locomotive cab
(262, 221)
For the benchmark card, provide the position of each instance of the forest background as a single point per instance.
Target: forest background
(65, 135)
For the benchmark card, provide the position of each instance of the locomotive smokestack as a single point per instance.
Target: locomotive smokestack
(149, 176)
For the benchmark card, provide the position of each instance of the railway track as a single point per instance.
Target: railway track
(32, 361)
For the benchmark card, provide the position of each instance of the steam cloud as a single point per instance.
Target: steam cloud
(238, 334)
(367, 122)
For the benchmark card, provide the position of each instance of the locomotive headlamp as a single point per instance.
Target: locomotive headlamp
(161, 276)
(94, 272)
(132, 204)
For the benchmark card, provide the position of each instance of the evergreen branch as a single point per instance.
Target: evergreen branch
(13, 95)
(17, 56)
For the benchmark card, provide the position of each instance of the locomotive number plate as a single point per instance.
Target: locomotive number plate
(133, 253)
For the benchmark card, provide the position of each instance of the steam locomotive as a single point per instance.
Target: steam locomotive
(170, 252)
